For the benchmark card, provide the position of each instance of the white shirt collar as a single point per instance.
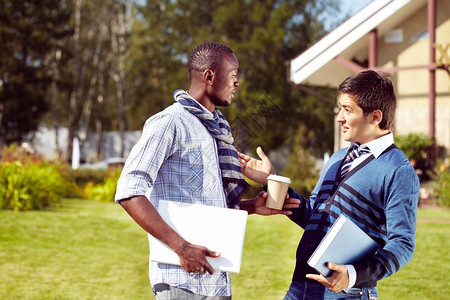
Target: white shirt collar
(380, 144)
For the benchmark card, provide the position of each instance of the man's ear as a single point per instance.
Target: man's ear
(377, 116)
(208, 76)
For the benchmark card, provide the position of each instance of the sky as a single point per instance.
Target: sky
(348, 8)
(354, 6)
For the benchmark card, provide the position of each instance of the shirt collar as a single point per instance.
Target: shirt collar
(380, 144)
(213, 114)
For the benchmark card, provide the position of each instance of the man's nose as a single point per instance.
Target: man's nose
(339, 117)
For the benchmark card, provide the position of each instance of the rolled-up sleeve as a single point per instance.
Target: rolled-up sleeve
(146, 157)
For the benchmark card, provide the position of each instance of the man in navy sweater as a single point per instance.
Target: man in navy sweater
(377, 189)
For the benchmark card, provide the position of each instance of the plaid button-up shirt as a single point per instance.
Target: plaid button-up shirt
(176, 159)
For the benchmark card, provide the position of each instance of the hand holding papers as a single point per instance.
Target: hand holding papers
(218, 229)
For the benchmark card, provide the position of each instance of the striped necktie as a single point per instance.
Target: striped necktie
(351, 156)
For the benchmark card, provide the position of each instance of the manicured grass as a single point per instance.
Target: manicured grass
(268, 259)
(85, 250)
(426, 276)
(92, 250)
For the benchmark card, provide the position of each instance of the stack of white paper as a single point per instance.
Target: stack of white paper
(218, 229)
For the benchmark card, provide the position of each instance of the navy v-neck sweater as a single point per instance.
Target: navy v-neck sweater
(380, 195)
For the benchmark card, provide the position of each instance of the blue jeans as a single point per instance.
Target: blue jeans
(164, 291)
(315, 291)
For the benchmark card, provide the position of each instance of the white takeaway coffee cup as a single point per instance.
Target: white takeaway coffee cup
(277, 187)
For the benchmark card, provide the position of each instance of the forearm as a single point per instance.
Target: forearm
(400, 213)
(369, 272)
(300, 215)
(146, 216)
(394, 255)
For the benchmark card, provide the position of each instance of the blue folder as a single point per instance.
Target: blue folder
(345, 243)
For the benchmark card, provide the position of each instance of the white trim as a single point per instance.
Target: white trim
(342, 37)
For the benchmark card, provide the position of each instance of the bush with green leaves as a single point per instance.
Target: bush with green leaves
(31, 186)
(441, 184)
(82, 177)
(105, 190)
(416, 147)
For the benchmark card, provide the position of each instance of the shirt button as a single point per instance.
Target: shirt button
(312, 245)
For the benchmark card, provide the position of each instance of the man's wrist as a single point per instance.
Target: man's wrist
(248, 205)
(264, 185)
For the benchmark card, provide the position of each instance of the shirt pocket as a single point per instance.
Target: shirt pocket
(196, 170)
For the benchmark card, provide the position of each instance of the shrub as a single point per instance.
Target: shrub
(25, 155)
(84, 176)
(416, 147)
(441, 185)
(106, 190)
(30, 187)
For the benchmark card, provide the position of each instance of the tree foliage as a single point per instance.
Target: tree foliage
(263, 34)
(301, 168)
(112, 64)
(29, 30)
(99, 46)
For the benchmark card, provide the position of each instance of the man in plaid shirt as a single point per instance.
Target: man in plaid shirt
(186, 154)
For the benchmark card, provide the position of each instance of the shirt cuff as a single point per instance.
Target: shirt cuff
(351, 275)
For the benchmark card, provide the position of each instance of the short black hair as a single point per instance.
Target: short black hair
(372, 91)
(207, 55)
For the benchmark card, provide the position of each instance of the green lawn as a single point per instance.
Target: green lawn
(85, 250)
(91, 250)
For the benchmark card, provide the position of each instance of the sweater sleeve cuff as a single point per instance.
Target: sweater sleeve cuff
(351, 275)
(290, 192)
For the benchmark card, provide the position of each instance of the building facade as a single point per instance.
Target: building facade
(410, 40)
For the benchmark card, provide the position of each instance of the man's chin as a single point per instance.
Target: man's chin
(222, 103)
(346, 137)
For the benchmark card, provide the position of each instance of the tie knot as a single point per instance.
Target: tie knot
(355, 151)
(363, 149)
(359, 149)
(355, 146)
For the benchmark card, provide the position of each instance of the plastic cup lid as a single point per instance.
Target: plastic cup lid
(279, 178)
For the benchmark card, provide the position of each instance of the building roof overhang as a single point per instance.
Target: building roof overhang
(319, 66)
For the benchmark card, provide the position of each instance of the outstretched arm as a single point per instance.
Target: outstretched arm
(254, 169)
